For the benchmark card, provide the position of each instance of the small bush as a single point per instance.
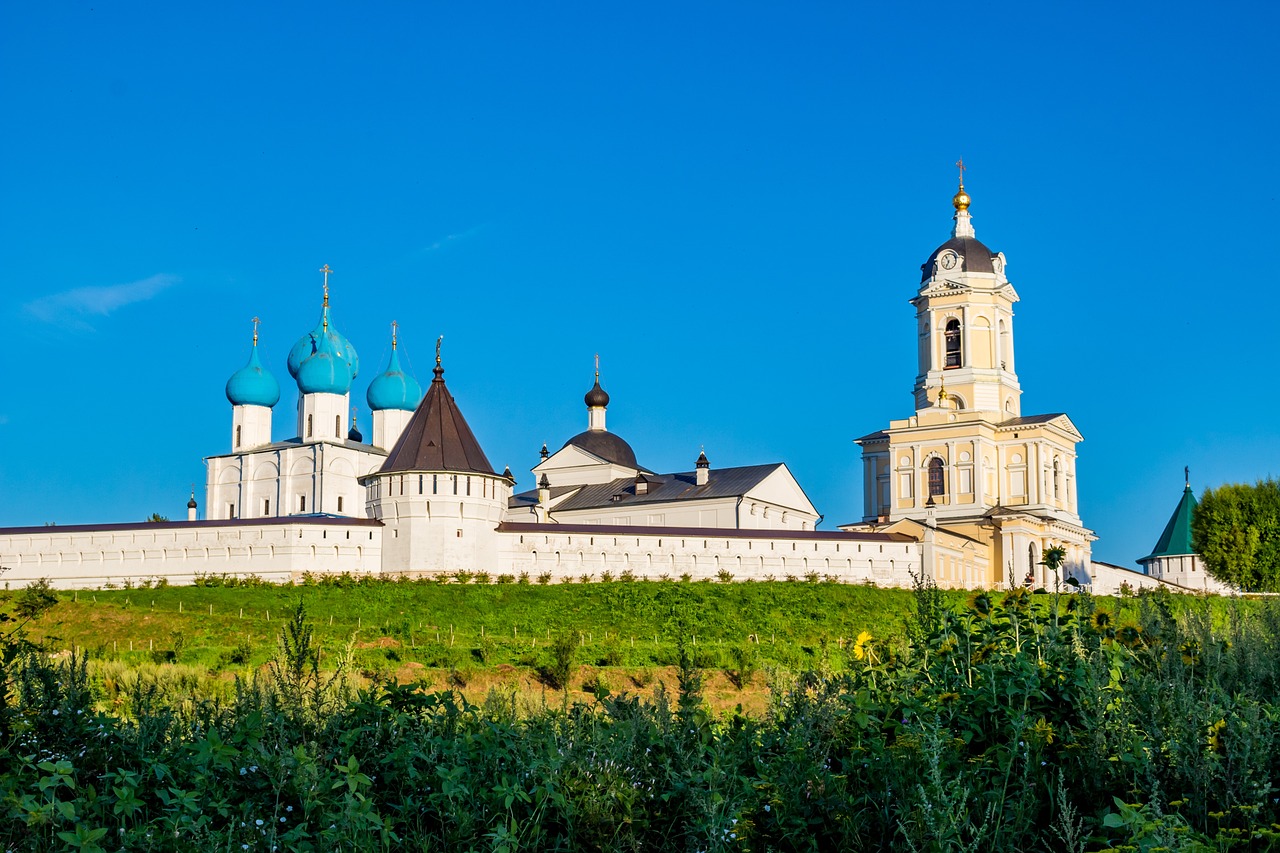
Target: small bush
(544, 578)
(482, 578)
(506, 578)
(558, 667)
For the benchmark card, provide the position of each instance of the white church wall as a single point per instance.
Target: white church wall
(91, 557)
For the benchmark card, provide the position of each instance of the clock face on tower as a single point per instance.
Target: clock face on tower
(948, 261)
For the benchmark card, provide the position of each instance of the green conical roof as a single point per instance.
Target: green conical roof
(1176, 539)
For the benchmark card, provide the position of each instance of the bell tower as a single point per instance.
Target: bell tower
(964, 319)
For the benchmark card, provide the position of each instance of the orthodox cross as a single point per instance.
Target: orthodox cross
(1186, 470)
(256, 321)
(325, 269)
(394, 325)
(353, 416)
(597, 367)
(438, 342)
(960, 166)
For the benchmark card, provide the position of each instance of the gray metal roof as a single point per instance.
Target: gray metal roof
(663, 488)
(699, 532)
(974, 256)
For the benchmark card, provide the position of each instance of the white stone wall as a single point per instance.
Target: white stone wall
(572, 552)
(90, 557)
(388, 424)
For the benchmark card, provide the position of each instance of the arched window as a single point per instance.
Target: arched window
(937, 478)
(237, 435)
(310, 423)
(952, 339)
(1057, 477)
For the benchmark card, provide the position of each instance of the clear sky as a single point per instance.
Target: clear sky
(730, 202)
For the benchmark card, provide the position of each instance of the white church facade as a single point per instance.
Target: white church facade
(967, 490)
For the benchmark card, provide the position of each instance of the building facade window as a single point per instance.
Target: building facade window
(310, 421)
(302, 503)
(339, 503)
(266, 506)
(238, 435)
(1057, 477)
(337, 426)
(951, 337)
(937, 478)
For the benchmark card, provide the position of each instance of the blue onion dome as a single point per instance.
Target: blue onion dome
(310, 343)
(253, 384)
(393, 388)
(325, 371)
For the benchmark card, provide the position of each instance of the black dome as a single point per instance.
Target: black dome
(596, 397)
(606, 445)
(974, 256)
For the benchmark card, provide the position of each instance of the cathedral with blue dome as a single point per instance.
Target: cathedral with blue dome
(316, 471)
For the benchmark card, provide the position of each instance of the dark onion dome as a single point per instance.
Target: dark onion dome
(606, 445)
(974, 257)
(596, 398)
(191, 504)
(354, 434)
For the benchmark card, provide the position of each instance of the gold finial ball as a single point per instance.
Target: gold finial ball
(961, 199)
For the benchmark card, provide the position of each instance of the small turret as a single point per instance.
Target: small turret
(252, 391)
(191, 507)
(702, 471)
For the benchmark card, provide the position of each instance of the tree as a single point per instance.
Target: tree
(1236, 531)
(156, 518)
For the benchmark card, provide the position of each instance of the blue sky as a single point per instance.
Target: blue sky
(728, 201)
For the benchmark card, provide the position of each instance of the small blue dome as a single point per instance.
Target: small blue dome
(253, 385)
(393, 388)
(310, 343)
(325, 371)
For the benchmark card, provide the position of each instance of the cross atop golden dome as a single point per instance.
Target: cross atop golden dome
(961, 199)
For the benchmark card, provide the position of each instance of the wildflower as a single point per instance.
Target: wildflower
(55, 712)
(1042, 732)
(1129, 635)
(1101, 620)
(258, 822)
(766, 807)
(1190, 652)
(243, 771)
(948, 698)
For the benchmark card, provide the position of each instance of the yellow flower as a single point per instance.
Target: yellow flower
(1042, 732)
(862, 647)
(1215, 735)
(1101, 620)
(981, 602)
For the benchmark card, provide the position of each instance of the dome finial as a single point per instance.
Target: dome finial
(256, 321)
(438, 370)
(597, 368)
(394, 324)
(961, 199)
(325, 269)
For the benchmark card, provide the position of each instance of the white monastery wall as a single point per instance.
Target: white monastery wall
(276, 550)
(574, 551)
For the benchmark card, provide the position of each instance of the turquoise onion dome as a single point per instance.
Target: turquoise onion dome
(253, 384)
(309, 344)
(393, 388)
(326, 370)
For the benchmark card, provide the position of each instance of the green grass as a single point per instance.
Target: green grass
(445, 625)
(437, 624)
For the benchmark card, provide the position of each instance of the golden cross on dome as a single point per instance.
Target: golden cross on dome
(256, 321)
(325, 269)
(960, 165)
(439, 340)
(353, 416)
(394, 325)
(597, 367)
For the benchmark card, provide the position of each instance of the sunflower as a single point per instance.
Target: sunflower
(1129, 636)
(1215, 735)
(862, 649)
(1101, 621)
(980, 602)
(1017, 598)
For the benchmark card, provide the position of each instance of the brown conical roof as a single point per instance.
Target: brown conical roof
(437, 437)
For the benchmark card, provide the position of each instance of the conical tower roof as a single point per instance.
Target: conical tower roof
(1176, 539)
(437, 437)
